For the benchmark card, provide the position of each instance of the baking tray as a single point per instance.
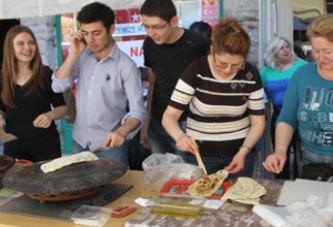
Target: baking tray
(178, 187)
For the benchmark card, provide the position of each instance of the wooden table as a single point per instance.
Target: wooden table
(228, 215)
(135, 178)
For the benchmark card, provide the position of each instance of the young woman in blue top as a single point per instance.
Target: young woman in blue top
(281, 63)
(308, 106)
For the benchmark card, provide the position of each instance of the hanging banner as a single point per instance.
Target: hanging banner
(210, 12)
(129, 34)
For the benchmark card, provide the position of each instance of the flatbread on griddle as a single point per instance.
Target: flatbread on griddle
(203, 187)
(59, 163)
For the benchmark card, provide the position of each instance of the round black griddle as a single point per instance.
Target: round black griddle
(72, 178)
(5, 162)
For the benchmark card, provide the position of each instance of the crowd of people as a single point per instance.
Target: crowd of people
(201, 88)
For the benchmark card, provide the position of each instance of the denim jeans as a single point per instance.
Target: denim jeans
(160, 141)
(214, 164)
(311, 157)
(117, 154)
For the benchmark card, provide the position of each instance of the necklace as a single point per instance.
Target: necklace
(283, 67)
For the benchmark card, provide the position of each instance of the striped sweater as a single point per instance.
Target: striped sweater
(220, 110)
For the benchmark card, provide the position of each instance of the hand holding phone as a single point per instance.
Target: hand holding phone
(84, 41)
(78, 44)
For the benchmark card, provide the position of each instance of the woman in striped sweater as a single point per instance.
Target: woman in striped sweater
(224, 94)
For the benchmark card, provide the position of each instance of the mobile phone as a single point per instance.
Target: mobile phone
(84, 41)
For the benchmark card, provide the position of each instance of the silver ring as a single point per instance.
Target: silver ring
(263, 163)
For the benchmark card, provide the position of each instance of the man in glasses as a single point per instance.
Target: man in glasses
(168, 50)
(109, 102)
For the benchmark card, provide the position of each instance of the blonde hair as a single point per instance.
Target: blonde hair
(273, 47)
(231, 38)
(321, 26)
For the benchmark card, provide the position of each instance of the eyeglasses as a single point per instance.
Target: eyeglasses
(223, 65)
(154, 27)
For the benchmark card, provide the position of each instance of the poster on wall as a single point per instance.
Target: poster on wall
(129, 34)
(68, 25)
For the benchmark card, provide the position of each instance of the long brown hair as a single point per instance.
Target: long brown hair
(10, 67)
(231, 38)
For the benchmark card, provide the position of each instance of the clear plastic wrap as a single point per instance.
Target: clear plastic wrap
(314, 212)
(318, 211)
(159, 168)
(91, 215)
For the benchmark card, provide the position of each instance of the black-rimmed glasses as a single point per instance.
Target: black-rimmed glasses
(154, 27)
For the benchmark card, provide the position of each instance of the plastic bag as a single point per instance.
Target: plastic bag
(159, 168)
(314, 212)
(318, 211)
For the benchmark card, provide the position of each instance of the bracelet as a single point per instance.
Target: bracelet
(247, 147)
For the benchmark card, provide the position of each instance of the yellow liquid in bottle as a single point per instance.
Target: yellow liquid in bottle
(177, 209)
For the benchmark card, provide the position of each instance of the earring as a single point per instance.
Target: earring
(243, 66)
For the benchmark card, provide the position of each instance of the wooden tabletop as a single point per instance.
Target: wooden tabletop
(135, 178)
(228, 213)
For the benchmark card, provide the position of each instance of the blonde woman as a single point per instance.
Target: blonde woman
(308, 106)
(281, 63)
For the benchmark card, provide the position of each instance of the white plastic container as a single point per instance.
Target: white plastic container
(91, 215)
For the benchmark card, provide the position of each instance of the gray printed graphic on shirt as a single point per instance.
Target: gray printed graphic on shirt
(314, 113)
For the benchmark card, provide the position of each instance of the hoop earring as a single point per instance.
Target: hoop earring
(318, 65)
(243, 66)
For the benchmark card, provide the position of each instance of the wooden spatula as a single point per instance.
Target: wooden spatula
(97, 149)
(6, 137)
(200, 163)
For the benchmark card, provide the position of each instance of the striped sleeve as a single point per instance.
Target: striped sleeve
(256, 99)
(185, 87)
